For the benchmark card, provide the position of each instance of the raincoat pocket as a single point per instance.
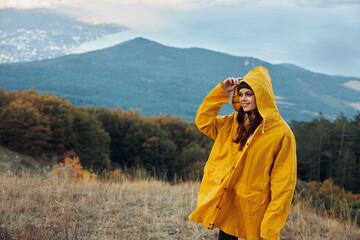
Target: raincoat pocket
(250, 194)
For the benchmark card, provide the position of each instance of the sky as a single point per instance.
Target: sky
(318, 35)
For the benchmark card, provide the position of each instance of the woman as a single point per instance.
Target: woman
(249, 178)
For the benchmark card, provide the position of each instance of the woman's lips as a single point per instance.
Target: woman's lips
(245, 104)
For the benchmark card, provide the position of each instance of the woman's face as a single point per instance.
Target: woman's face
(247, 99)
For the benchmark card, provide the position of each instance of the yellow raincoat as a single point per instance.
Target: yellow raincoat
(246, 193)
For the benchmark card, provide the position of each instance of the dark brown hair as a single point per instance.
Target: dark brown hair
(243, 132)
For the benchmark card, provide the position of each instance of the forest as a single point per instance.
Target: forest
(45, 126)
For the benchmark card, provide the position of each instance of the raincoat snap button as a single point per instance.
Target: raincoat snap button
(208, 228)
(225, 189)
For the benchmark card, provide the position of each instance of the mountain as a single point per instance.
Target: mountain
(159, 79)
(34, 34)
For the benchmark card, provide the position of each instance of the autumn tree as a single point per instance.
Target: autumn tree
(60, 114)
(91, 140)
(23, 128)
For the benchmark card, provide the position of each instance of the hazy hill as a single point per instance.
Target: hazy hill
(159, 79)
(33, 34)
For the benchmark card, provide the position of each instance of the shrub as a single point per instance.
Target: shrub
(72, 171)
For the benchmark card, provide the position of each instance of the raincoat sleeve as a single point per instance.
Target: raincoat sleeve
(207, 119)
(282, 185)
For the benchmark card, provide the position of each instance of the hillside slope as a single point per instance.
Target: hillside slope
(15, 162)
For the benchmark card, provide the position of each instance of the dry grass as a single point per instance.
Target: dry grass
(302, 223)
(43, 207)
(40, 207)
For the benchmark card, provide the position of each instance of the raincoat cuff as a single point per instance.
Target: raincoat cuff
(221, 92)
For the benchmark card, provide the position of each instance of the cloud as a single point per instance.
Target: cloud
(222, 2)
(178, 3)
(32, 3)
(320, 3)
(53, 3)
(299, 3)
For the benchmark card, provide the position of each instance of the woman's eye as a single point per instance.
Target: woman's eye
(246, 94)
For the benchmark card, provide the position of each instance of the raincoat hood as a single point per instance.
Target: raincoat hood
(260, 82)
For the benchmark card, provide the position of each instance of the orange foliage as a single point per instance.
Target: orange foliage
(329, 190)
(351, 197)
(72, 170)
(114, 176)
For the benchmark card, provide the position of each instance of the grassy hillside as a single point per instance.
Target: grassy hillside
(159, 79)
(15, 162)
(128, 206)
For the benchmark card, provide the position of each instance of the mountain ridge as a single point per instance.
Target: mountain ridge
(159, 79)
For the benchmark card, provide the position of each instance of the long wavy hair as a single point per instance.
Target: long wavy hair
(244, 133)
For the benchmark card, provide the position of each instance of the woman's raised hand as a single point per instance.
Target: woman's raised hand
(231, 83)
